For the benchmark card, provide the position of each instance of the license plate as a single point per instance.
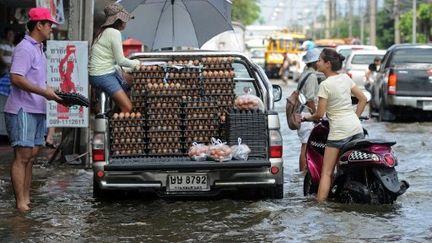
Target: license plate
(187, 182)
(427, 105)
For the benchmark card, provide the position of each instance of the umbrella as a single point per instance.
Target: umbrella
(174, 23)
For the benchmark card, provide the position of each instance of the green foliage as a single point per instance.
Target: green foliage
(424, 23)
(385, 29)
(245, 11)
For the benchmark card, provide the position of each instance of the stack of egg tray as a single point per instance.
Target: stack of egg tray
(127, 137)
(201, 121)
(251, 127)
(218, 81)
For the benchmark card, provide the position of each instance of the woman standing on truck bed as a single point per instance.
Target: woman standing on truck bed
(106, 52)
(335, 100)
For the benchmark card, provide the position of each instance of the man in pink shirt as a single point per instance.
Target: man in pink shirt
(25, 109)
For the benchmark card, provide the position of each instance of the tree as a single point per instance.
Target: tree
(424, 20)
(385, 28)
(245, 11)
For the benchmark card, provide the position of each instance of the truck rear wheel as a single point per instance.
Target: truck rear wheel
(384, 114)
(98, 192)
(276, 192)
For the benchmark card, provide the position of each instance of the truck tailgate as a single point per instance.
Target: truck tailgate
(413, 80)
(139, 164)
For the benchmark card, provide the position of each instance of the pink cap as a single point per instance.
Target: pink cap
(41, 14)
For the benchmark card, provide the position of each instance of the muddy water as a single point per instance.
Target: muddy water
(64, 210)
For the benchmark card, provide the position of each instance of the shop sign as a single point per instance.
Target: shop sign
(67, 72)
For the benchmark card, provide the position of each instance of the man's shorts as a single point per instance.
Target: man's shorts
(340, 143)
(109, 83)
(304, 131)
(25, 129)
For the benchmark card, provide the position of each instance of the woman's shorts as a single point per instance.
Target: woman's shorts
(340, 143)
(25, 129)
(109, 83)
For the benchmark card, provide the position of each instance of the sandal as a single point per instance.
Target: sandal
(50, 145)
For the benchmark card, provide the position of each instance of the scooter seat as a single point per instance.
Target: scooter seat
(363, 142)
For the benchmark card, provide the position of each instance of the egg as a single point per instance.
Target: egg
(121, 115)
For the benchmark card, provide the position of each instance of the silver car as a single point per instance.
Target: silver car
(178, 175)
(357, 64)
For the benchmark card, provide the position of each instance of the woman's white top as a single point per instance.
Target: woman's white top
(343, 121)
(107, 52)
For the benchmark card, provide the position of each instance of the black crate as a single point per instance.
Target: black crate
(251, 127)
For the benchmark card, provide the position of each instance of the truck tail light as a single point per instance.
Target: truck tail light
(276, 147)
(391, 83)
(98, 147)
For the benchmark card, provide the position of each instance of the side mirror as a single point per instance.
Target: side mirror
(277, 93)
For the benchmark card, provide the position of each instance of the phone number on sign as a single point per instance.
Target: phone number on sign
(67, 122)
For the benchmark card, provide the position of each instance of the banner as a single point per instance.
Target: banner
(67, 72)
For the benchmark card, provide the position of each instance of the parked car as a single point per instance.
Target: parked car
(180, 103)
(403, 82)
(346, 50)
(357, 64)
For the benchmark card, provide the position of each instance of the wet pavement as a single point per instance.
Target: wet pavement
(63, 209)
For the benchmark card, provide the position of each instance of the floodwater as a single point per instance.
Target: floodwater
(63, 209)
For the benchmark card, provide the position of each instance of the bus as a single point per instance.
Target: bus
(279, 44)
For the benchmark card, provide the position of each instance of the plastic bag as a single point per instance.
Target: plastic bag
(219, 151)
(198, 151)
(240, 151)
(248, 101)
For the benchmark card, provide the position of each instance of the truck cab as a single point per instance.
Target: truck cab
(186, 97)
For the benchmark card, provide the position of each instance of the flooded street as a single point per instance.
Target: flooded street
(63, 209)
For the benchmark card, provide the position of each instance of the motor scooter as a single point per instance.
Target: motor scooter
(365, 170)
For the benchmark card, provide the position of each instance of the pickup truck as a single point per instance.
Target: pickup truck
(403, 82)
(186, 97)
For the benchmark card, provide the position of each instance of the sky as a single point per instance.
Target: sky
(284, 12)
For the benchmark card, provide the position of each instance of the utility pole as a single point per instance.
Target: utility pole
(396, 15)
(350, 17)
(333, 15)
(361, 22)
(414, 22)
(372, 22)
(328, 15)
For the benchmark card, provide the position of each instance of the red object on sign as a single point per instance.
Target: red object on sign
(131, 45)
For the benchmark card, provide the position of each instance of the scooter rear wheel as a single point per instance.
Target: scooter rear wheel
(309, 187)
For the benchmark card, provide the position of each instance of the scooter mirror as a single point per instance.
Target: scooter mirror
(302, 99)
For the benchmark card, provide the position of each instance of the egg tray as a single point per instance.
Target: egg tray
(71, 99)
(128, 156)
(171, 146)
(171, 122)
(157, 140)
(128, 147)
(226, 66)
(204, 140)
(126, 122)
(240, 123)
(197, 92)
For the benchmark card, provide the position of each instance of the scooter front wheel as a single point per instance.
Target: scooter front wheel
(309, 187)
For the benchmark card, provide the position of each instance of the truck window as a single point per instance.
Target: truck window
(243, 80)
(412, 55)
